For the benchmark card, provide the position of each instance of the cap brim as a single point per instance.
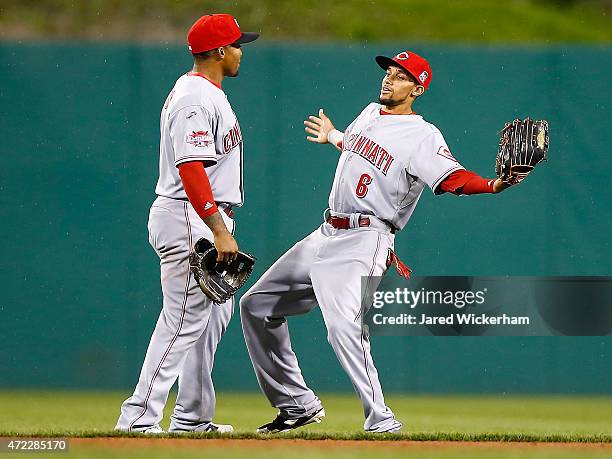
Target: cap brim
(385, 62)
(247, 37)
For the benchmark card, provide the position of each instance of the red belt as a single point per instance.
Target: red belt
(345, 222)
(228, 210)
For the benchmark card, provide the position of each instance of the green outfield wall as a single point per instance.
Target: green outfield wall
(79, 129)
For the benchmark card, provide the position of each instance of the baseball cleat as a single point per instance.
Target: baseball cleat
(394, 427)
(283, 424)
(205, 428)
(219, 428)
(154, 430)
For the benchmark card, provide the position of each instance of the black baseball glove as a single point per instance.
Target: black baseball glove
(219, 281)
(523, 144)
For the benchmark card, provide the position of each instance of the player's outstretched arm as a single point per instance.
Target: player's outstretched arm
(468, 182)
(322, 130)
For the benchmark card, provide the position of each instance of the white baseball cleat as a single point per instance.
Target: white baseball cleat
(219, 428)
(393, 427)
(208, 428)
(153, 430)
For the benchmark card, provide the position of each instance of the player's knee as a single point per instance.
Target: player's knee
(257, 306)
(169, 319)
(336, 332)
(247, 308)
(245, 302)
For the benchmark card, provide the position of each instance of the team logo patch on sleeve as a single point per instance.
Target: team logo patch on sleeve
(443, 151)
(199, 138)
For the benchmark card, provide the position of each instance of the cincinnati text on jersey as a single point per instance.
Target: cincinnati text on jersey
(370, 151)
(232, 139)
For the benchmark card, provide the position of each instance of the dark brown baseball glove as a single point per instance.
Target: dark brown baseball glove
(523, 145)
(219, 281)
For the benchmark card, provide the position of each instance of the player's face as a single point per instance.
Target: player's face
(231, 61)
(397, 87)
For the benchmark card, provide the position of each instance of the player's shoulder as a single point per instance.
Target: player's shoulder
(371, 108)
(368, 110)
(417, 133)
(428, 127)
(190, 90)
(368, 113)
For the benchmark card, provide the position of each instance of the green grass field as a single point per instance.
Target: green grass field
(498, 422)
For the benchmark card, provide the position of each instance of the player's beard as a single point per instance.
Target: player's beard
(388, 102)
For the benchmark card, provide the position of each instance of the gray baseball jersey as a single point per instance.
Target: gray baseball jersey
(197, 124)
(385, 163)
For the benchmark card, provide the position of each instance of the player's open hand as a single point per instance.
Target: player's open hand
(319, 127)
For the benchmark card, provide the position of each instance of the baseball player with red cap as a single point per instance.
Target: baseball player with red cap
(200, 181)
(388, 155)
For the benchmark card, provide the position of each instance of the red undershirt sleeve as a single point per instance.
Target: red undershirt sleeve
(197, 187)
(465, 182)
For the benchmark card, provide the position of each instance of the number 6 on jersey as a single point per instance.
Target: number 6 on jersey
(362, 185)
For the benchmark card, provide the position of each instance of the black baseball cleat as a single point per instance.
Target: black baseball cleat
(283, 424)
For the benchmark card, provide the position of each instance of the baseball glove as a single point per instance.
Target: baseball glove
(523, 144)
(219, 281)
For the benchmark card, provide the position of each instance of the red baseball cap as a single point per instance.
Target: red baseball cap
(414, 64)
(214, 31)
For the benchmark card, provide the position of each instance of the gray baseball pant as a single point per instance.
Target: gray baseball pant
(325, 268)
(187, 332)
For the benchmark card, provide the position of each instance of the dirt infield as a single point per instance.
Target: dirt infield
(280, 443)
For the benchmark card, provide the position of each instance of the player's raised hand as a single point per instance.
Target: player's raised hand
(319, 127)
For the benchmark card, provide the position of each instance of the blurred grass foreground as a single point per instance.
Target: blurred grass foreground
(470, 21)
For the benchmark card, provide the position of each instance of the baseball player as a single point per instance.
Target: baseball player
(200, 181)
(388, 155)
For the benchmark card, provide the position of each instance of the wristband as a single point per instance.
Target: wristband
(335, 137)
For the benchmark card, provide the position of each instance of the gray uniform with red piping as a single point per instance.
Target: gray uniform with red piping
(197, 124)
(385, 164)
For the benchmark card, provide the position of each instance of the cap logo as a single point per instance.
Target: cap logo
(402, 56)
(423, 76)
